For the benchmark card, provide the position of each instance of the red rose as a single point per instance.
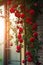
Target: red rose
(20, 40)
(22, 15)
(34, 26)
(28, 19)
(31, 12)
(18, 47)
(20, 29)
(32, 39)
(35, 34)
(23, 61)
(29, 59)
(12, 10)
(28, 53)
(19, 36)
(17, 14)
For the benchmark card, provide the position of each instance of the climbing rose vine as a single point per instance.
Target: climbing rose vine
(27, 15)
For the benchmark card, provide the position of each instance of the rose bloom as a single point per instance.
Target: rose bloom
(28, 19)
(23, 61)
(31, 12)
(12, 10)
(29, 59)
(35, 34)
(32, 39)
(17, 14)
(18, 47)
(19, 36)
(30, 23)
(28, 53)
(20, 29)
(34, 26)
(22, 15)
(20, 40)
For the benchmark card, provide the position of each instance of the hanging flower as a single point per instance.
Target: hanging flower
(29, 59)
(31, 12)
(20, 29)
(32, 39)
(35, 34)
(30, 23)
(34, 26)
(12, 10)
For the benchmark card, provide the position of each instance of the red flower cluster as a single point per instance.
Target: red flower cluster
(23, 61)
(20, 29)
(32, 39)
(17, 14)
(19, 36)
(12, 10)
(31, 12)
(18, 48)
(29, 59)
(35, 34)
(29, 20)
(22, 15)
(20, 40)
(34, 26)
(28, 53)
